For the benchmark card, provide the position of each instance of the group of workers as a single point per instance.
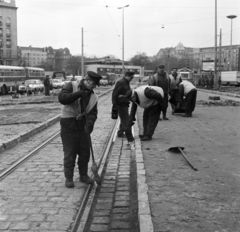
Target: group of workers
(79, 112)
(153, 98)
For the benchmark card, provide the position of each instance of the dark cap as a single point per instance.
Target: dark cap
(161, 66)
(128, 73)
(94, 77)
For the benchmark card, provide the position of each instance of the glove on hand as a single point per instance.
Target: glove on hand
(83, 93)
(88, 128)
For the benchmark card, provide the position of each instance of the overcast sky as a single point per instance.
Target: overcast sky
(149, 25)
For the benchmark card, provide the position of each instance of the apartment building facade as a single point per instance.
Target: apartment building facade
(8, 33)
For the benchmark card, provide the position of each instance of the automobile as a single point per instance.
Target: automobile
(57, 83)
(30, 86)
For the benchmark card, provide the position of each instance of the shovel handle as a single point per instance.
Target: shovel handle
(191, 165)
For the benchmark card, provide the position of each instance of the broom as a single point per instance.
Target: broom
(94, 167)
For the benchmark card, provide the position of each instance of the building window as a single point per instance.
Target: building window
(8, 45)
(8, 32)
(8, 22)
(1, 43)
(1, 53)
(8, 53)
(1, 32)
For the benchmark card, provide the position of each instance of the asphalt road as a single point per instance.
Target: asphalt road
(182, 199)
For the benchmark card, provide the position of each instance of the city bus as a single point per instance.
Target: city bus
(13, 76)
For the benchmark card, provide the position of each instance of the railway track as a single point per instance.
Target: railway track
(34, 181)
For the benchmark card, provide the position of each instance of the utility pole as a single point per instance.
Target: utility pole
(82, 63)
(123, 37)
(215, 60)
(220, 51)
(231, 60)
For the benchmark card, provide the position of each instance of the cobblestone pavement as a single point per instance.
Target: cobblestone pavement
(182, 199)
(116, 206)
(33, 197)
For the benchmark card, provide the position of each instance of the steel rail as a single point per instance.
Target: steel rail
(26, 157)
(13, 167)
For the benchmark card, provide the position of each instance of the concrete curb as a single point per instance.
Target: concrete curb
(144, 213)
(220, 93)
(27, 134)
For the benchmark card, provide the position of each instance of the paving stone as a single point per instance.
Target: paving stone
(124, 217)
(100, 220)
(121, 210)
(107, 190)
(120, 225)
(104, 206)
(106, 195)
(121, 203)
(108, 200)
(122, 198)
(99, 227)
(20, 226)
(122, 193)
(4, 225)
(102, 212)
(123, 188)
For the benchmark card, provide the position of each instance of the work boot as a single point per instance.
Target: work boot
(86, 179)
(121, 135)
(146, 138)
(187, 115)
(165, 118)
(69, 183)
(141, 136)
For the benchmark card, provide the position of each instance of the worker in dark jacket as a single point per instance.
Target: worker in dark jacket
(47, 83)
(151, 98)
(122, 104)
(79, 100)
(161, 79)
(188, 94)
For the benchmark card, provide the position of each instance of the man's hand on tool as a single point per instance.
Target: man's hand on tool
(88, 128)
(83, 93)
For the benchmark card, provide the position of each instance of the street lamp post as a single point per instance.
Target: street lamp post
(123, 36)
(168, 50)
(231, 17)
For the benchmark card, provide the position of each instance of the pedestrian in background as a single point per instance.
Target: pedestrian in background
(47, 85)
(79, 100)
(188, 94)
(175, 79)
(161, 79)
(151, 99)
(122, 104)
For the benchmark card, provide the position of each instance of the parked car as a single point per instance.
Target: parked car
(57, 83)
(30, 86)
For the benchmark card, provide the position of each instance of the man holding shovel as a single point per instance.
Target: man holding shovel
(79, 113)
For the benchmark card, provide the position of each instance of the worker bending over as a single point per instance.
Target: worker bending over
(151, 98)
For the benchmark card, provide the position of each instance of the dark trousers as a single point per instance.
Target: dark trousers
(165, 99)
(125, 122)
(75, 143)
(47, 90)
(190, 101)
(150, 119)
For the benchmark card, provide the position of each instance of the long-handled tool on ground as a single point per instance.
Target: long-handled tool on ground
(94, 167)
(177, 149)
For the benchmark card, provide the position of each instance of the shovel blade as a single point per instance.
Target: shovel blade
(175, 149)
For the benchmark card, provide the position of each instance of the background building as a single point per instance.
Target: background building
(32, 56)
(193, 58)
(8, 33)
